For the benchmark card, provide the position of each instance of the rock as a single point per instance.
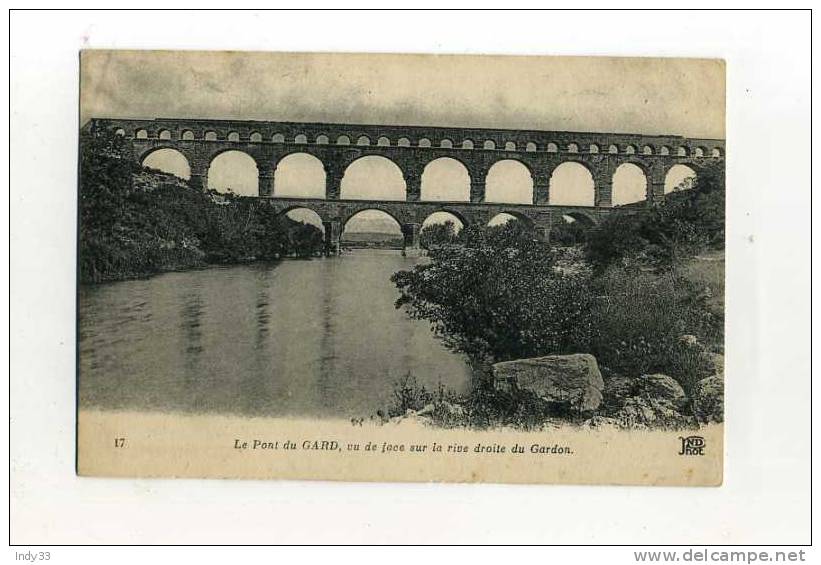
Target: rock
(616, 390)
(716, 361)
(660, 388)
(571, 379)
(688, 339)
(708, 399)
(642, 412)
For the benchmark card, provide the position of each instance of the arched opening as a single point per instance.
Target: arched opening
(299, 174)
(234, 171)
(233, 136)
(552, 147)
(510, 146)
(424, 142)
(664, 150)
(716, 152)
(164, 134)
(170, 161)
(630, 150)
(594, 148)
(682, 152)
(210, 136)
(629, 184)
(372, 229)
(612, 149)
(383, 142)
(571, 230)
(278, 138)
(363, 140)
(571, 184)
(446, 144)
(306, 216)
(440, 228)
(403, 142)
(120, 132)
(510, 182)
(343, 140)
(503, 218)
(679, 177)
(572, 148)
(490, 144)
(467, 144)
(188, 135)
(256, 137)
(647, 150)
(699, 152)
(445, 179)
(141, 134)
(373, 178)
(530, 147)
(301, 139)
(322, 139)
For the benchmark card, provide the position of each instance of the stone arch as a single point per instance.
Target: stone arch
(572, 184)
(682, 151)
(630, 184)
(530, 147)
(677, 177)
(579, 216)
(300, 175)
(167, 159)
(233, 170)
(363, 140)
(509, 181)
(467, 144)
(450, 212)
(445, 179)
(120, 132)
(716, 152)
(664, 150)
(403, 142)
(613, 149)
(593, 148)
(278, 138)
(629, 149)
(256, 137)
(510, 146)
(489, 144)
(647, 150)
(383, 142)
(552, 147)
(164, 134)
(572, 147)
(233, 136)
(382, 210)
(423, 142)
(321, 139)
(141, 133)
(509, 214)
(373, 177)
(210, 136)
(305, 214)
(446, 144)
(343, 140)
(699, 152)
(301, 139)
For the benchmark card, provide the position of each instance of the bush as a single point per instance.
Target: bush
(437, 234)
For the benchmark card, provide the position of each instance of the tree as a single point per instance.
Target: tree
(437, 234)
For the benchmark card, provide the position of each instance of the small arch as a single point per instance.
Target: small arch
(403, 142)
(424, 142)
(682, 151)
(572, 147)
(489, 144)
(188, 135)
(593, 148)
(664, 150)
(467, 144)
(168, 160)
(612, 149)
(699, 152)
(301, 139)
(647, 150)
(552, 148)
(322, 139)
(164, 134)
(343, 140)
(630, 150)
(510, 146)
(530, 147)
(363, 140)
(440, 227)
(446, 144)
(233, 136)
(141, 134)
(446, 215)
(120, 132)
(503, 218)
(716, 152)
(383, 142)
(278, 138)
(256, 137)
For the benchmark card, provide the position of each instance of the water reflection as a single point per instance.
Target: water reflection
(305, 338)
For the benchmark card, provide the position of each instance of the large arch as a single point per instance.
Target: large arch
(234, 171)
(629, 184)
(299, 175)
(373, 177)
(571, 184)
(510, 182)
(167, 160)
(305, 215)
(679, 177)
(506, 216)
(372, 227)
(445, 215)
(445, 179)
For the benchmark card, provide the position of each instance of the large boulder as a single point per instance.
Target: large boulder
(660, 388)
(708, 399)
(574, 380)
(647, 412)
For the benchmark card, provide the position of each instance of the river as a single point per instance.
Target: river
(313, 338)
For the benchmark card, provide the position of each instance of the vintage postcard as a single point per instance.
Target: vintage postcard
(372, 267)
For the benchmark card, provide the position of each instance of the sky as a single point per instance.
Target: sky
(623, 95)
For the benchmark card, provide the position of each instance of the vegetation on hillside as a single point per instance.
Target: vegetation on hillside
(136, 221)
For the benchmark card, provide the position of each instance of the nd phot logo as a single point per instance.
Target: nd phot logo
(692, 445)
